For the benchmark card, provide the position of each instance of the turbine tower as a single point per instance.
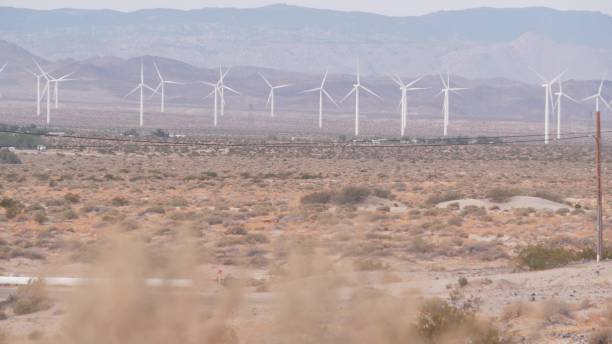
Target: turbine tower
(162, 87)
(39, 95)
(549, 100)
(322, 92)
(2, 70)
(141, 86)
(404, 88)
(446, 106)
(598, 97)
(271, 95)
(560, 95)
(356, 88)
(222, 88)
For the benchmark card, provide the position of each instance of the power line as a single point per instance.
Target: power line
(466, 141)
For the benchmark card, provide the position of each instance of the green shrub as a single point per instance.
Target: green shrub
(501, 194)
(72, 198)
(541, 257)
(551, 196)
(369, 265)
(321, 197)
(351, 195)
(382, 193)
(444, 197)
(30, 299)
(119, 201)
(12, 207)
(8, 157)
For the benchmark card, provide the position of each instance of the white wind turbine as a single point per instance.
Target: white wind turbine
(560, 95)
(46, 90)
(141, 86)
(218, 93)
(598, 97)
(271, 95)
(2, 70)
(162, 87)
(446, 106)
(356, 87)
(404, 88)
(322, 92)
(549, 99)
(39, 95)
(56, 83)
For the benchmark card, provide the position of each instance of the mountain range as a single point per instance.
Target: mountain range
(475, 43)
(108, 79)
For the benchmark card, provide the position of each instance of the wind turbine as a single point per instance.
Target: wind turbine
(598, 97)
(2, 70)
(46, 90)
(162, 86)
(271, 95)
(218, 93)
(549, 99)
(38, 93)
(560, 95)
(322, 92)
(221, 86)
(141, 86)
(56, 86)
(356, 87)
(446, 91)
(404, 88)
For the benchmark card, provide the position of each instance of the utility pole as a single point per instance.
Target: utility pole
(599, 191)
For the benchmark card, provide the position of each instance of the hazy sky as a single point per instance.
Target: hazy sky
(388, 7)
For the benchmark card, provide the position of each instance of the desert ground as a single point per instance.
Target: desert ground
(318, 244)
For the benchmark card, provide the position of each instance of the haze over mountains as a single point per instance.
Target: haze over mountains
(477, 43)
(488, 50)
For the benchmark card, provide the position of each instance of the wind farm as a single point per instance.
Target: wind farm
(284, 174)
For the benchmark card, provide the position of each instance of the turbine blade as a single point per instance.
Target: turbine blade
(264, 79)
(231, 89)
(208, 83)
(417, 88)
(329, 97)
(348, 95)
(601, 85)
(557, 78)
(443, 81)
(132, 91)
(311, 90)
(282, 86)
(29, 71)
(158, 72)
(415, 81)
(211, 93)
(590, 98)
(371, 92)
(606, 103)
(539, 75)
(269, 98)
(568, 97)
(396, 80)
(148, 87)
(173, 82)
(324, 78)
(159, 86)
(4, 66)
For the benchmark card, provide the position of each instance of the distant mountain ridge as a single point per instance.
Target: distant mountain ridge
(481, 42)
(108, 79)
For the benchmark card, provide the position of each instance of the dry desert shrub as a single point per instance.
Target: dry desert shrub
(30, 299)
(501, 195)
